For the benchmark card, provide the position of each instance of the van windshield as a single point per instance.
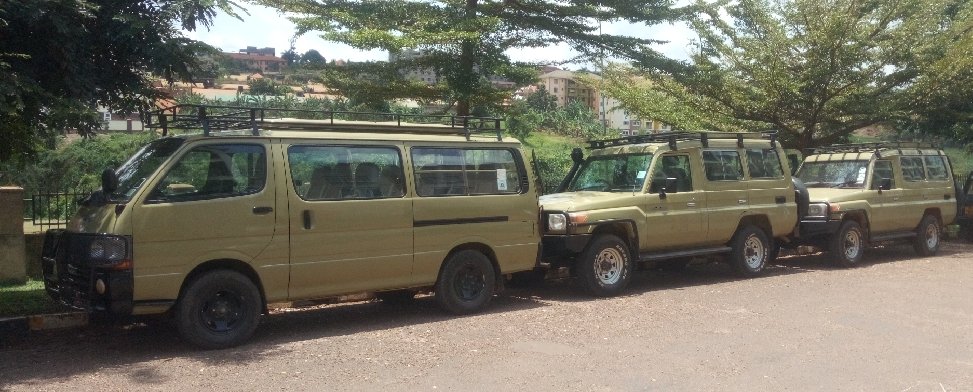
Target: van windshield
(834, 174)
(612, 173)
(134, 173)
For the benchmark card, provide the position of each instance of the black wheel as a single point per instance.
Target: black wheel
(466, 283)
(847, 245)
(605, 266)
(218, 309)
(751, 250)
(396, 297)
(928, 236)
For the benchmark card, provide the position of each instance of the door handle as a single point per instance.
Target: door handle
(742, 201)
(691, 204)
(307, 220)
(262, 210)
(780, 199)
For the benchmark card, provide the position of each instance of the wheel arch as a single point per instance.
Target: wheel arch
(934, 211)
(761, 221)
(226, 264)
(624, 229)
(485, 249)
(860, 217)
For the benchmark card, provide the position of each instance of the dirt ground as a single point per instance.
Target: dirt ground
(898, 323)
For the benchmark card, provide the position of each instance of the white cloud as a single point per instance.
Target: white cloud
(265, 27)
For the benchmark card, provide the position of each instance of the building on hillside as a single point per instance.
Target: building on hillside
(263, 60)
(429, 75)
(564, 86)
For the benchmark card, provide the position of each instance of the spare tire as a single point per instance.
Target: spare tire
(801, 196)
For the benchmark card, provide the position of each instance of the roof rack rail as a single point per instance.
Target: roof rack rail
(215, 118)
(871, 147)
(673, 137)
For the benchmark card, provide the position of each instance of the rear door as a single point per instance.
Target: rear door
(350, 219)
(727, 197)
(770, 192)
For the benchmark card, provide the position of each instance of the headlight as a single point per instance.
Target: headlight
(557, 223)
(818, 210)
(107, 250)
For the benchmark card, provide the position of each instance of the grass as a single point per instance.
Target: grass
(26, 299)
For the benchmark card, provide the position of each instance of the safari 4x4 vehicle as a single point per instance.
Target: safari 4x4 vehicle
(213, 227)
(669, 196)
(871, 192)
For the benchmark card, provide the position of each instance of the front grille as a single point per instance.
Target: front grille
(66, 275)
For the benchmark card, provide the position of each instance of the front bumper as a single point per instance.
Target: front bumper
(68, 278)
(558, 249)
(817, 228)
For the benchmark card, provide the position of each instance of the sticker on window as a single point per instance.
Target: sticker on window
(502, 179)
(640, 175)
(861, 175)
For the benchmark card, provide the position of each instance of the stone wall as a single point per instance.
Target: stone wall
(12, 253)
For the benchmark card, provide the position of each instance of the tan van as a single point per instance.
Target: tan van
(875, 192)
(214, 227)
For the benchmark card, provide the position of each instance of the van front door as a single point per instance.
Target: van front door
(350, 222)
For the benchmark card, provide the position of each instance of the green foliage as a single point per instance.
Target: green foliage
(312, 59)
(465, 43)
(814, 70)
(542, 100)
(266, 86)
(26, 299)
(62, 58)
(553, 155)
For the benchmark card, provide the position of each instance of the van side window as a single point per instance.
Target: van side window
(346, 172)
(936, 168)
(912, 169)
(467, 171)
(722, 165)
(883, 169)
(764, 164)
(215, 171)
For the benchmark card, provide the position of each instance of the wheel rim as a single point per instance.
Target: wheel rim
(223, 311)
(852, 244)
(932, 236)
(470, 283)
(608, 266)
(754, 252)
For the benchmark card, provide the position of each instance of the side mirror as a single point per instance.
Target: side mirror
(669, 185)
(672, 185)
(885, 184)
(109, 181)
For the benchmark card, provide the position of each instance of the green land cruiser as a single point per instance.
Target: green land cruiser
(872, 192)
(669, 196)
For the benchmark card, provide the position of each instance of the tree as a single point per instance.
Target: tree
(814, 70)
(465, 42)
(62, 58)
(313, 59)
(542, 100)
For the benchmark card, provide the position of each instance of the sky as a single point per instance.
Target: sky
(264, 27)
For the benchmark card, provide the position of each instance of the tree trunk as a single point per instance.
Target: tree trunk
(467, 80)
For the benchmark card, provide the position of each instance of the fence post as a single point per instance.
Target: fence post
(13, 266)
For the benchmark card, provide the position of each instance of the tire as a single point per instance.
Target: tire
(605, 267)
(750, 251)
(467, 282)
(928, 236)
(847, 245)
(396, 297)
(219, 309)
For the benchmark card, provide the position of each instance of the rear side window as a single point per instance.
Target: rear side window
(215, 171)
(346, 172)
(466, 171)
(764, 164)
(912, 169)
(936, 168)
(722, 165)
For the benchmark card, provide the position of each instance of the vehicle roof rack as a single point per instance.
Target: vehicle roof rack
(214, 119)
(875, 147)
(673, 137)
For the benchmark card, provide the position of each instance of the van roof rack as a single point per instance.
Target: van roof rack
(213, 119)
(672, 137)
(870, 147)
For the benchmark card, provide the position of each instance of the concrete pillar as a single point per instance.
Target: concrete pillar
(13, 267)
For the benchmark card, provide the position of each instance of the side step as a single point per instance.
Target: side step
(892, 236)
(683, 253)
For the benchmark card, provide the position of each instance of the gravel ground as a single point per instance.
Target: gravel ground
(899, 323)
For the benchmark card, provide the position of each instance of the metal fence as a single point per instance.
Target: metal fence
(52, 209)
